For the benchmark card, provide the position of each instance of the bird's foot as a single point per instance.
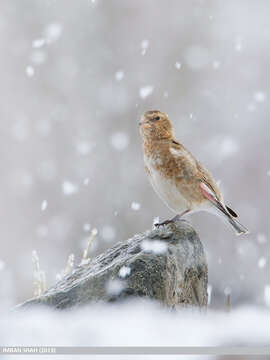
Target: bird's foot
(166, 222)
(170, 221)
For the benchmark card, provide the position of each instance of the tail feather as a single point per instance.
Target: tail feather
(223, 211)
(239, 228)
(231, 211)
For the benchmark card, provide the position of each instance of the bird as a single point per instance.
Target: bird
(177, 177)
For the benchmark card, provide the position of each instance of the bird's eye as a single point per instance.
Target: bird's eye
(156, 118)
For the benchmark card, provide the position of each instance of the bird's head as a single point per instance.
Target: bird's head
(155, 125)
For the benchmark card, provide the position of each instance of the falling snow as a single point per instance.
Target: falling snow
(259, 96)
(146, 91)
(53, 32)
(69, 188)
(86, 227)
(262, 262)
(30, 71)
(135, 206)
(261, 238)
(216, 64)
(44, 205)
(228, 146)
(144, 46)
(108, 233)
(119, 140)
(38, 43)
(238, 44)
(119, 75)
(83, 147)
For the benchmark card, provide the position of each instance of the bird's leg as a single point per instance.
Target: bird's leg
(174, 219)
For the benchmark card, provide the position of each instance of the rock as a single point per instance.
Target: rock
(166, 264)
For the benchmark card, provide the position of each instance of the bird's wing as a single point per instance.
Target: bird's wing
(186, 163)
(212, 197)
(207, 184)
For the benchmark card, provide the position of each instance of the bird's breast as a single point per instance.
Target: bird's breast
(165, 186)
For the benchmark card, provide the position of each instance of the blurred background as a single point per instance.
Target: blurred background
(75, 79)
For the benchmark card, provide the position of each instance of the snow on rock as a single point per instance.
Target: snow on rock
(114, 287)
(146, 91)
(155, 221)
(154, 246)
(124, 271)
(119, 140)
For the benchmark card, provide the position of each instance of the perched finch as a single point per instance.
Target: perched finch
(183, 183)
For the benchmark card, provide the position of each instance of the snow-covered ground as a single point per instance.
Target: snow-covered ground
(135, 324)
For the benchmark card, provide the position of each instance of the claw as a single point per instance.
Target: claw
(166, 222)
(174, 219)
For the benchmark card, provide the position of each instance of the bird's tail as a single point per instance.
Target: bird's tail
(238, 228)
(222, 210)
(226, 216)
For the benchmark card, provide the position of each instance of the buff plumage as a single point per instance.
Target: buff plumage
(183, 183)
